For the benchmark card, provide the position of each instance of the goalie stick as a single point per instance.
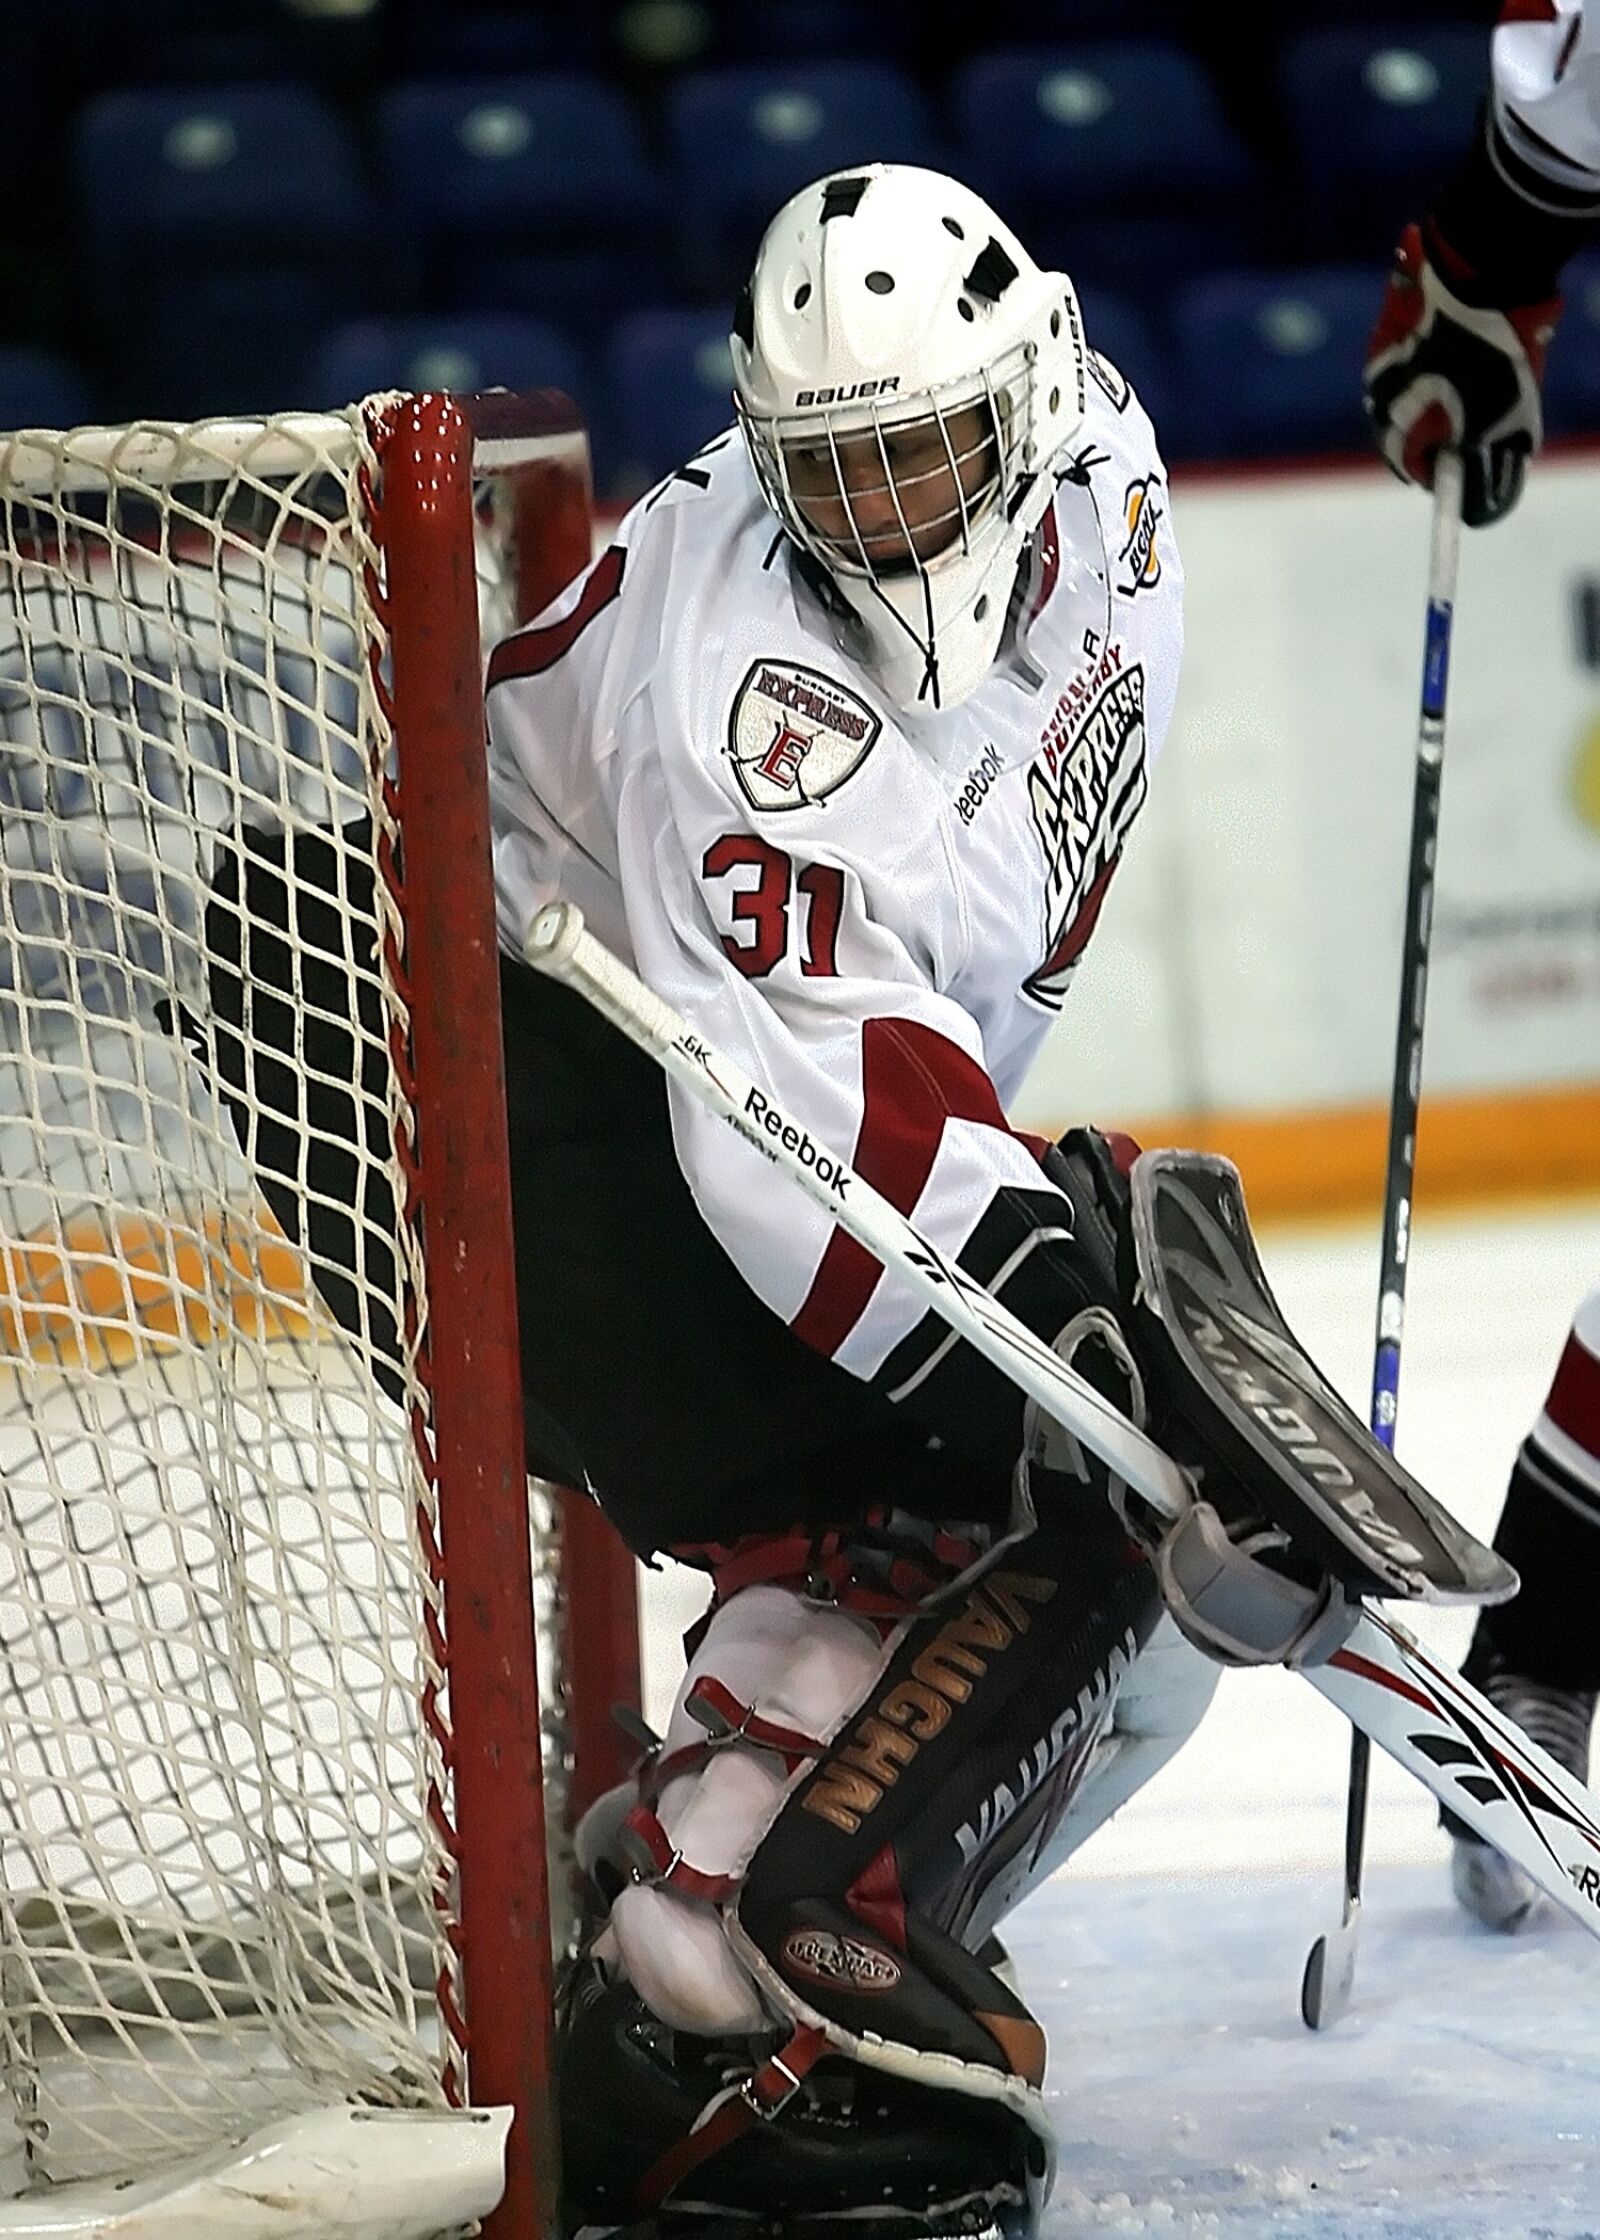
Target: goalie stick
(1330, 1965)
(1428, 1719)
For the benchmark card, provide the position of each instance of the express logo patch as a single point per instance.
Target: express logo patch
(1139, 561)
(794, 736)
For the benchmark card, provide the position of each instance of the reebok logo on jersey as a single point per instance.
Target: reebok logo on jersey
(980, 778)
(1142, 514)
(794, 736)
(771, 1122)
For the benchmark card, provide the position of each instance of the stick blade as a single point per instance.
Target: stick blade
(1330, 1974)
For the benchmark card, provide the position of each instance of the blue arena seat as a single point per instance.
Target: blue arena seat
(786, 31)
(1041, 20)
(216, 172)
(1271, 362)
(225, 339)
(489, 351)
(671, 386)
(223, 227)
(1572, 374)
(40, 390)
(1114, 160)
(1378, 117)
(744, 139)
(523, 193)
(435, 42)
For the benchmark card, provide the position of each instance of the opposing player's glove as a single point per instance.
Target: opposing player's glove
(1445, 371)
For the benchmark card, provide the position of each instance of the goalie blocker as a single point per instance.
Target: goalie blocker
(1269, 1433)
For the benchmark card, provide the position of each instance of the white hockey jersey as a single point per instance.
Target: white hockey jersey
(1546, 96)
(876, 914)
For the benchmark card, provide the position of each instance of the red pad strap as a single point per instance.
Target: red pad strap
(729, 2117)
(726, 1719)
(656, 1860)
(802, 1560)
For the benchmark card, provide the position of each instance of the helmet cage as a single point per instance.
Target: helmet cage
(1004, 393)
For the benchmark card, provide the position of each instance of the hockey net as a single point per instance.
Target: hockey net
(238, 1737)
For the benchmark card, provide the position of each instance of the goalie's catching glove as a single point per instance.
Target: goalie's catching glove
(1450, 368)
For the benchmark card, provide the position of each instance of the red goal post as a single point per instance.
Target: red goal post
(272, 1844)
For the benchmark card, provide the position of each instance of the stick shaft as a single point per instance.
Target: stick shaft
(1405, 1088)
(1406, 1080)
(559, 944)
(1473, 1759)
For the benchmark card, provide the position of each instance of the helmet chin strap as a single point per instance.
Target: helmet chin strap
(1027, 560)
(927, 646)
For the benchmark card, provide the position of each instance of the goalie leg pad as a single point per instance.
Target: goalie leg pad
(1159, 1705)
(863, 1906)
(773, 1677)
(731, 2105)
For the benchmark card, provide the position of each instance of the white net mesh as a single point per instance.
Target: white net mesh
(223, 1896)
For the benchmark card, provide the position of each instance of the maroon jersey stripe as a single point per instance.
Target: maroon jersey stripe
(913, 1080)
(1574, 1402)
(531, 652)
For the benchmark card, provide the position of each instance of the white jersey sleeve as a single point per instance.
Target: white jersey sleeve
(858, 907)
(1545, 96)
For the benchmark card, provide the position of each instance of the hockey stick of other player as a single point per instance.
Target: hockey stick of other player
(1331, 1963)
(1428, 1719)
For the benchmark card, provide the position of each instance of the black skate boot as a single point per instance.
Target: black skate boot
(1490, 1887)
(839, 2153)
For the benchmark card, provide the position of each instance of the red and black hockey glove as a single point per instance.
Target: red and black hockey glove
(1446, 372)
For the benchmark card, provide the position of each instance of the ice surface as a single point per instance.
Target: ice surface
(1459, 2099)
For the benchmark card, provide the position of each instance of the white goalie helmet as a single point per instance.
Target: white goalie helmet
(905, 375)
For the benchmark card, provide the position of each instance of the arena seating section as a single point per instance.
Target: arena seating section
(219, 205)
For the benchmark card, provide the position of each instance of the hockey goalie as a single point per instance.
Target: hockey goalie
(839, 744)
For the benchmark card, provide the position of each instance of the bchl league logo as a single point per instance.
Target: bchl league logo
(1139, 561)
(794, 736)
(1085, 791)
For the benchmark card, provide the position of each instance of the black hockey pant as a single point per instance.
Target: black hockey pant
(649, 1366)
